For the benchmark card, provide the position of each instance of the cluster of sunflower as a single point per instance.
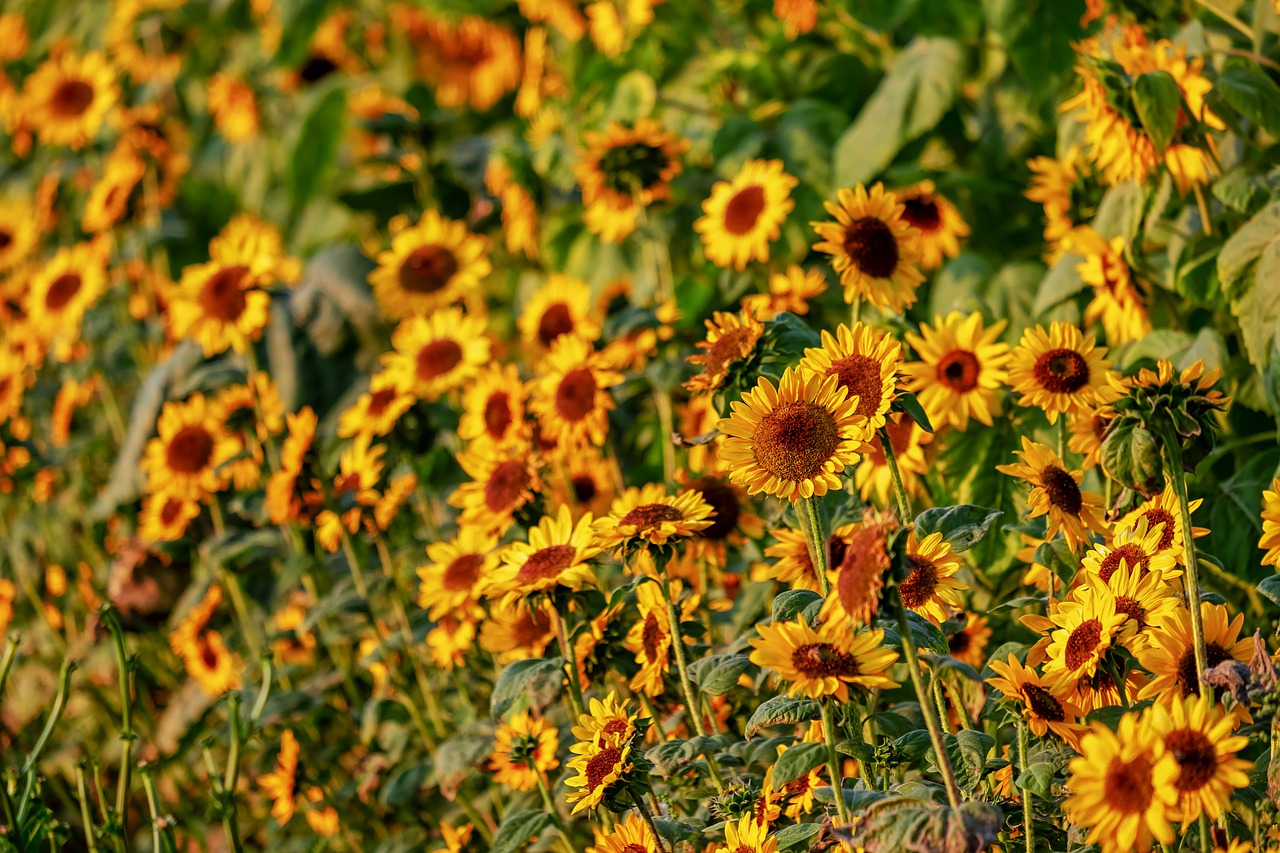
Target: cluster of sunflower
(594, 466)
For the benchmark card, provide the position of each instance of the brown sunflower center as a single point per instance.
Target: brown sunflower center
(437, 358)
(584, 488)
(744, 209)
(62, 290)
(380, 400)
(557, 320)
(648, 516)
(1128, 785)
(316, 68)
(615, 727)
(920, 585)
(958, 370)
(1187, 677)
(208, 654)
(636, 848)
(71, 98)
(462, 571)
(170, 511)
(823, 660)
(6, 239)
(1131, 608)
(576, 394)
(497, 414)
(222, 296)
(923, 213)
(860, 376)
(796, 440)
(633, 166)
(190, 450)
(743, 848)
(1062, 489)
(505, 485)
(1061, 371)
(547, 563)
(1132, 556)
(871, 247)
(1160, 515)
(959, 643)
(601, 765)
(724, 505)
(1042, 703)
(1082, 643)
(427, 269)
(1196, 757)
(651, 637)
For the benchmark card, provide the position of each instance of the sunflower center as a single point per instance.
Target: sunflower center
(1187, 677)
(1128, 785)
(190, 450)
(919, 586)
(71, 98)
(1131, 608)
(505, 485)
(635, 848)
(743, 210)
(871, 247)
(557, 320)
(1083, 643)
(380, 400)
(651, 637)
(796, 440)
(497, 414)
(633, 167)
(584, 488)
(576, 394)
(547, 563)
(958, 370)
(1160, 515)
(170, 511)
(6, 240)
(316, 68)
(743, 848)
(63, 289)
(1061, 371)
(208, 654)
(1196, 758)
(462, 572)
(1062, 489)
(823, 660)
(644, 518)
(601, 765)
(427, 269)
(616, 727)
(959, 643)
(437, 358)
(724, 505)
(922, 213)
(222, 296)
(1132, 556)
(1042, 703)
(860, 376)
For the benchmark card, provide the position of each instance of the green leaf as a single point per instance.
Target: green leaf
(1251, 93)
(1258, 309)
(718, 674)
(1247, 244)
(1037, 778)
(967, 751)
(1157, 99)
(962, 526)
(634, 96)
(527, 684)
(518, 830)
(1060, 284)
(907, 402)
(894, 825)
(912, 746)
(781, 710)
(404, 786)
(792, 601)
(1058, 558)
(798, 836)
(1270, 587)
(317, 148)
(797, 761)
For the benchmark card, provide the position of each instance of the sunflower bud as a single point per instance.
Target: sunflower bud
(736, 800)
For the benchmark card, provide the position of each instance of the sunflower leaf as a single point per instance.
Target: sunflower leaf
(787, 604)
(1270, 587)
(718, 674)
(518, 829)
(534, 683)
(907, 402)
(1157, 99)
(781, 710)
(798, 761)
(961, 526)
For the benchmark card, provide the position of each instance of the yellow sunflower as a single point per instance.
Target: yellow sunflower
(874, 250)
(571, 396)
(1198, 734)
(503, 481)
(864, 363)
(474, 62)
(186, 456)
(873, 477)
(791, 564)
(1061, 371)
(624, 170)
(562, 306)
(19, 232)
(961, 370)
(1270, 540)
(1083, 633)
(556, 555)
(449, 642)
(649, 516)
(931, 589)
(68, 98)
(359, 471)
(493, 408)
(1139, 548)
(747, 836)
(587, 481)
(517, 631)
(607, 720)
(1170, 654)
(437, 353)
(222, 303)
(377, 410)
(1053, 183)
(1056, 492)
(1162, 509)
(858, 556)
(519, 210)
(744, 215)
(598, 768)
(792, 441)
(430, 265)
(730, 338)
(1046, 707)
(650, 638)
(1122, 787)
(732, 520)
(938, 223)
(969, 644)
(1117, 302)
(455, 576)
(108, 199)
(823, 662)
(64, 288)
(281, 784)
(202, 651)
(1088, 427)
(524, 749)
(631, 836)
(789, 290)
(1145, 600)
(165, 517)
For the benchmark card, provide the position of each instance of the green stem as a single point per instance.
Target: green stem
(90, 843)
(1191, 578)
(648, 819)
(29, 766)
(927, 710)
(816, 537)
(550, 806)
(127, 734)
(153, 805)
(891, 459)
(6, 664)
(692, 708)
(1202, 823)
(1028, 815)
(833, 760)
(231, 778)
(570, 665)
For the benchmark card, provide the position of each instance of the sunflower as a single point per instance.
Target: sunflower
(450, 640)
(864, 363)
(1061, 371)
(1046, 706)
(518, 631)
(792, 441)
(186, 456)
(1122, 787)
(437, 353)
(249, 414)
(281, 785)
(473, 63)
(165, 517)
(556, 555)
(791, 564)
(1146, 600)
(961, 369)
(873, 477)
(8, 594)
(823, 662)
(969, 644)
(647, 515)
(730, 338)
(599, 767)
(222, 303)
(1117, 302)
(1198, 734)
(571, 397)
(377, 410)
(430, 265)
(931, 589)
(519, 210)
(234, 107)
(454, 578)
(503, 481)
(19, 232)
(789, 290)
(587, 482)
(206, 659)
(323, 821)
(562, 306)
(798, 16)
(359, 470)
(1088, 427)
(1162, 509)
(859, 557)
(607, 720)
(1170, 654)
(1139, 548)
(1083, 633)
(744, 215)
(624, 170)
(631, 836)
(293, 643)
(64, 288)
(564, 16)
(1270, 540)
(732, 520)
(938, 223)
(747, 836)
(67, 98)
(1056, 492)
(525, 749)
(874, 250)
(650, 638)
(1053, 184)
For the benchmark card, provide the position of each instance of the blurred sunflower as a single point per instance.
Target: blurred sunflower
(222, 303)
(164, 517)
(650, 638)
(587, 481)
(561, 14)
(571, 395)
(747, 836)
(1084, 633)
(437, 353)
(631, 836)
(874, 250)
(185, 458)
(864, 363)
(969, 644)
(249, 414)
(473, 62)
(1270, 540)
(19, 232)
(458, 570)
(1117, 302)
(732, 520)
(649, 516)
(64, 288)
(517, 631)
(108, 199)
(1137, 547)
(624, 170)
(961, 369)
(1198, 734)
(1162, 509)
(524, 750)
(936, 220)
(562, 306)
(859, 558)
(931, 589)
(201, 649)
(430, 265)
(1056, 493)
(519, 209)
(377, 410)
(798, 16)
(68, 98)
(15, 376)
(789, 290)
(280, 786)
(1170, 655)
(1046, 707)
(293, 643)
(234, 107)
(823, 662)
(873, 477)
(1060, 371)
(1053, 186)
(359, 469)
(744, 215)
(493, 408)
(1088, 426)
(730, 338)
(503, 481)
(792, 441)
(450, 640)
(556, 555)
(791, 564)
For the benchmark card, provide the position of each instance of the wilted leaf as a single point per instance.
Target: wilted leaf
(893, 826)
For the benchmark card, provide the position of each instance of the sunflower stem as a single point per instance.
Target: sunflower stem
(1028, 815)
(811, 521)
(230, 819)
(927, 709)
(1191, 578)
(127, 735)
(900, 492)
(1202, 823)
(855, 311)
(692, 708)
(550, 806)
(85, 818)
(570, 667)
(648, 819)
(833, 760)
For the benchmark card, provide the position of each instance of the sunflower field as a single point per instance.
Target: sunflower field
(639, 426)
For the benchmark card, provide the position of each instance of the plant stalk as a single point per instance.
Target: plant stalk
(1191, 577)
(833, 760)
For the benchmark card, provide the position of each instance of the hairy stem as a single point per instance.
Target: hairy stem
(833, 760)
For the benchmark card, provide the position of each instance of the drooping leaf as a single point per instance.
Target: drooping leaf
(907, 402)
(893, 825)
(1252, 93)
(1157, 100)
(781, 710)
(527, 684)
(967, 751)
(718, 674)
(962, 526)
(797, 761)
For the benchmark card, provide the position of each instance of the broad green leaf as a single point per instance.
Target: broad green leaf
(1247, 244)
(799, 836)
(316, 150)
(797, 761)
(1258, 310)
(718, 674)
(1252, 93)
(1270, 587)
(1157, 100)
(962, 526)
(788, 603)
(907, 402)
(518, 829)
(1060, 284)
(967, 751)
(1037, 778)
(891, 826)
(634, 97)
(527, 684)
(781, 710)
